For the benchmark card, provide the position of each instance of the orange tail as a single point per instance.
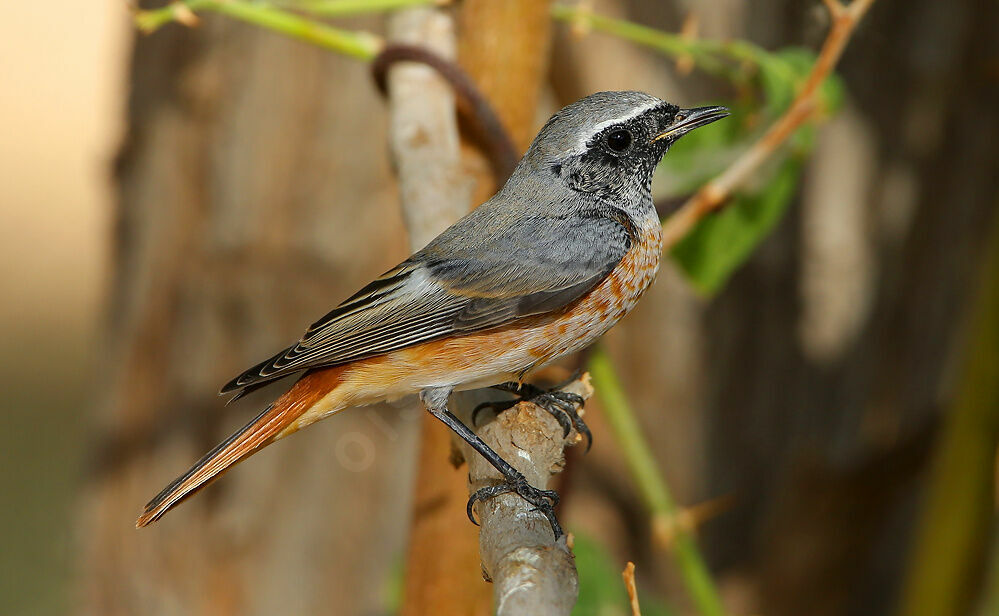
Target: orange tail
(276, 421)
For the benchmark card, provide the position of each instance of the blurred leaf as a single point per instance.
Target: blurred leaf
(831, 93)
(778, 79)
(721, 242)
(801, 61)
(601, 589)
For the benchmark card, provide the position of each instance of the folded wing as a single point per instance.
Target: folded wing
(456, 286)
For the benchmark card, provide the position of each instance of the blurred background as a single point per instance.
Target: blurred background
(62, 101)
(179, 205)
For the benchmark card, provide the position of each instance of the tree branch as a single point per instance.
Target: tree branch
(530, 574)
(716, 192)
(442, 561)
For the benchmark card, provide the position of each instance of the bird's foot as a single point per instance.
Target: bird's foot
(543, 500)
(560, 404)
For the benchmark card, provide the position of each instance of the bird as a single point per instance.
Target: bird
(562, 251)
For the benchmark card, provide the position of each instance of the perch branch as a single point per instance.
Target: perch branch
(439, 565)
(531, 575)
(716, 192)
(508, 70)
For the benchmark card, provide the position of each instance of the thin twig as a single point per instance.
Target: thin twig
(629, 583)
(708, 55)
(479, 115)
(688, 519)
(716, 192)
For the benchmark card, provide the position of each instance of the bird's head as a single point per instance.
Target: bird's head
(609, 143)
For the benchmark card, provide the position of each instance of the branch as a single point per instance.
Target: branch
(423, 131)
(360, 45)
(629, 584)
(530, 574)
(508, 71)
(442, 571)
(716, 192)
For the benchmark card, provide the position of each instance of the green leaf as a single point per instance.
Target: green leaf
(720, 242)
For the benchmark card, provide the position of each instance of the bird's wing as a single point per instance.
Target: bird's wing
(456, 287)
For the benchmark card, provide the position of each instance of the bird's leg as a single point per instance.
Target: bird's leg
(435, 400)
(561, 404)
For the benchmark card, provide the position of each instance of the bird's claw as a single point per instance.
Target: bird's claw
(542, 500)
(560, 404)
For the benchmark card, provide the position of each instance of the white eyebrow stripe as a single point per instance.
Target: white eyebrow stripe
(581, 142)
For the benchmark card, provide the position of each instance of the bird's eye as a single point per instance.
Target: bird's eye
(619, 140)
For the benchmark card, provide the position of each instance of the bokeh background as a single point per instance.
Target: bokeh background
(62, 92)
(175, 207)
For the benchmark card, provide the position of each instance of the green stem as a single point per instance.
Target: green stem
(709, 55)
(651, 485)
(346, 8)
(671, 44)
(361, 45)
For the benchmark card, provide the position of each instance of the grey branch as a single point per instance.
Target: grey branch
(423, 129)
(531, 575)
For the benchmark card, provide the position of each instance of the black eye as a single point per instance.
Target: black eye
(619, 140)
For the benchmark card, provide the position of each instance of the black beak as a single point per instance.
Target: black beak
(687, 120)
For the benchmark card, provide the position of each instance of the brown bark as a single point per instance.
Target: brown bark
(504, 48)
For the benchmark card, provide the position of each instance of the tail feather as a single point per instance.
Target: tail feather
(274, 422)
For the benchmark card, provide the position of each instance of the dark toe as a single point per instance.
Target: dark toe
(543, 501)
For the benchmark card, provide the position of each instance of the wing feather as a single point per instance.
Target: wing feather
(453, 287)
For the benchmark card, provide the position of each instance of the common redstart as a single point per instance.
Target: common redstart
(547, 265)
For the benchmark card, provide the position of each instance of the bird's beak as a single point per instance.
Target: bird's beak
(687, 120)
